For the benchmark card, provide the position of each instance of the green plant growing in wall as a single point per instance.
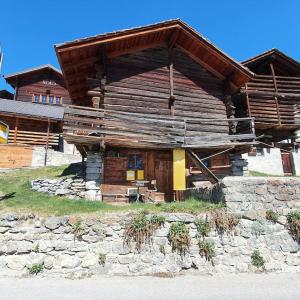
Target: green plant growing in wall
(207, 249)
(272, 216)
(102, 259)
(293, 224)
(140, 229)
(77, 230)
(203, 227)
(36, 269)
(257, 260)
(179, 237)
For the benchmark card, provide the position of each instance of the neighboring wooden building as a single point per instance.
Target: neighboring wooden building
(141, 95)
(34, 112)
(43, 84)
(273, 99)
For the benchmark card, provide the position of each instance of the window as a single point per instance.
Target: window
(259, 151)
(51, 99)
(36, 98)
(44, 99)
(135, 162)
(58, 100)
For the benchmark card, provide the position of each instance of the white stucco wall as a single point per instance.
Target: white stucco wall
(296, 162)
(269, 163)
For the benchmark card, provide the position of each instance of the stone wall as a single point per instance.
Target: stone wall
(54, 158)
(94, 166)
(51, 242)
(255, 195)
(269, 163)
(70, 187)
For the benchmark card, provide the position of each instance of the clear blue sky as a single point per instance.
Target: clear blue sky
(242, 28)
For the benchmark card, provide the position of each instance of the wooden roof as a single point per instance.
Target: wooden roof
(11, 78)
(284, 64)
(77, 58)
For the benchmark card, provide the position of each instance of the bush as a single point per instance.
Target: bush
(36, 269)
(272, 216)
(207, 249)
(203, 227)
(293, 220)
(140, 229)
(179, 237)
(223, 221)
(257, 260)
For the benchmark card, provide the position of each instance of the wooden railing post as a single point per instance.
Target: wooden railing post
(47, 143)
(16, 130)
(276, 92)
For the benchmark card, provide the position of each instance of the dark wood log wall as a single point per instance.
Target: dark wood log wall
(33, 84)
(140, 83)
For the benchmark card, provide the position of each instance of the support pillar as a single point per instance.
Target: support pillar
(239, 165)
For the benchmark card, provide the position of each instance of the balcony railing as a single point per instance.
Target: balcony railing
(274, 100)
(84, 125)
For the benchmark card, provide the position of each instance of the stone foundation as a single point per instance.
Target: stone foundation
(51, 242)
(72, 188)
(239, 166)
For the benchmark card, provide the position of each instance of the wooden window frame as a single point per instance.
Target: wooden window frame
(47, 99)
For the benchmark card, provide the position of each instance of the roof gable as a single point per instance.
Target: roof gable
(11, 78)
(77, 58)
(285, 64)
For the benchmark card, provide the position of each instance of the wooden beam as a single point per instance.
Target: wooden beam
(47, 143)
(198, 162)
(173, 38)
(276, 91)
(16, 130)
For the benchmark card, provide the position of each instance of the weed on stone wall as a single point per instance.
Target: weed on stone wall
(141, 229)
(272, 216)
(257, 260)
(35, 269)
(224, 221)
(78, 230)
(102, 259)
(293, 223)
(203, 227)
(207, 249)
(179, 238)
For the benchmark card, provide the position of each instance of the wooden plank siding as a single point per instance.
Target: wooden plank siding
(30, 84)
(15, 156)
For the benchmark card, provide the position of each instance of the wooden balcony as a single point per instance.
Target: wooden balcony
(85, 126)
(274, 101)
(33, 138)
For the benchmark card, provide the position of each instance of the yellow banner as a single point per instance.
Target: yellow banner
(179, 181)
(4, 130)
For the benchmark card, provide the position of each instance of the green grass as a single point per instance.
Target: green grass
(260, 174)
(20, 198)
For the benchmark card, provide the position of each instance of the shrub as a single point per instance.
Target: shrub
(179, 237)
(203, 227)
(140, 229)
(36, 269)
(207, 249)
(223, 221)
(272, 216)
(293, 220)
(102, 259)
(257, 260)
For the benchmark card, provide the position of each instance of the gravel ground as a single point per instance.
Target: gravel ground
(231, 287)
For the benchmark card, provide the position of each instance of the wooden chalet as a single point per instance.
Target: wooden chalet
(34, 112)
(272, 97)
(155, 104)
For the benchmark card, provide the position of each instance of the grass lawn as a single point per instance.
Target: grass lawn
(20, 198)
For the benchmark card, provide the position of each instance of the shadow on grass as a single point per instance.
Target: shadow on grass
(8, 196)
(72, 169)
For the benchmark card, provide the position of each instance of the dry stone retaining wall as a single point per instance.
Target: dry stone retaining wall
(28, 240)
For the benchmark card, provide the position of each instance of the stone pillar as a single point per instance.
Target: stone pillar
(94, 173)
(239, 165)
(94, 166)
